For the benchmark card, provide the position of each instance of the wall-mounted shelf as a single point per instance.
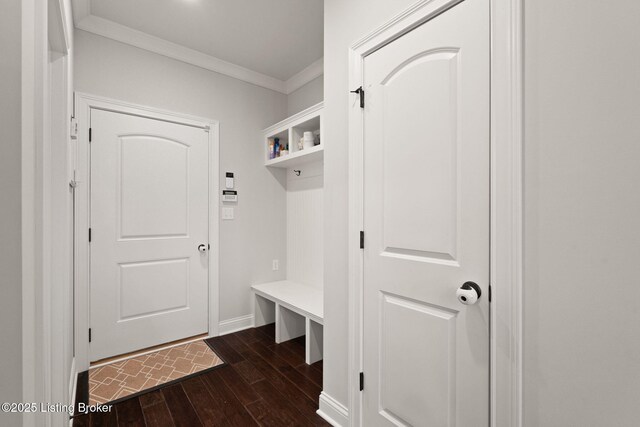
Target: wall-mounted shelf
(297, 158)
(289, 131)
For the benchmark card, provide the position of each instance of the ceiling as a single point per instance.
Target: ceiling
(276, 38)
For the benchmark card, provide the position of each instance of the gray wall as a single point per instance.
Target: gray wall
(341, 29)
(10, 212)
(306, 96)
(249, 243)
(582, 213)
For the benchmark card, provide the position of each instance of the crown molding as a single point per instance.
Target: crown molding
(85, 21)
(123, 34)
(300, 79)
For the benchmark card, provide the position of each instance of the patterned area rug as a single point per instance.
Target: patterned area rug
(126, 378)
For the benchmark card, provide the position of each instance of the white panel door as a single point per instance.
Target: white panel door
(426, 222)
(149, 214)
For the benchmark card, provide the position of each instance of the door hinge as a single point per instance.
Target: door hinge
(361, 381)
(89, 134)
(89, 334)
(490, 293)
(360, 91)
(89, 235)
(362, 240)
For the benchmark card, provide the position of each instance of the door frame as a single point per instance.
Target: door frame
(83, 104)
(506, 189)
(46, 48)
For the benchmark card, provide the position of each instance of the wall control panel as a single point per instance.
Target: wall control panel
(229, 181)
(229, 196)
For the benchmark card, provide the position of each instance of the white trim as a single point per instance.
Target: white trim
(57, 30)
(214, 227)
(73, 382)
(313, 71)
(45, 30)
(332, 411)
(295, 119)
(507, 141)
(32, 117)
(83, 104)
(506, 201)
(236, 324)
(85, 21)
(123, 34)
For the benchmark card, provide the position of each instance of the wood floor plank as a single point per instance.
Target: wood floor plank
(279, 410)
(237, 344)
(243, 391)
(235, 413)
(307, 406)
(82, 421)
(182, 412)
(292, 358)
(248, 372)
(269, 330)
(157, 415)
(130, 414)
(296, 346)
(151, 398)
(261, 412)
(249, 336)
(209, 411)
(304, 383)
(310, 372)
(224, 350)
(104, 419)
(311, 389)
(268, 355)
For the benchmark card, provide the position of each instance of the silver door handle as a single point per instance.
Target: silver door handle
(202, 247)
(469, 293)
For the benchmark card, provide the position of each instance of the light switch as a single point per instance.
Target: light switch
(227, 213)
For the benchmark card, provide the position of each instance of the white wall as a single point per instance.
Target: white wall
(10, 211)
(305, 225)
(306, 96)
(345, 21)
(249, 243)
(582, 218)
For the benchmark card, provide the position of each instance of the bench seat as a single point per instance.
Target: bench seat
(296, 309)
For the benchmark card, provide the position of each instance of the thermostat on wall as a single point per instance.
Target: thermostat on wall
(229, 196)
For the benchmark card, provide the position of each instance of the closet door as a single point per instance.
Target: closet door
(149, 232)
(426, 223)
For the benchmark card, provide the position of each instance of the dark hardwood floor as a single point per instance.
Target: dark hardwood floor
(263, 384)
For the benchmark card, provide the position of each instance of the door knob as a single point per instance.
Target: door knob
(469, 293)
(202, 247)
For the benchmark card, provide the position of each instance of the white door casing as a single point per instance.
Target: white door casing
(149, 213)
(426, 221)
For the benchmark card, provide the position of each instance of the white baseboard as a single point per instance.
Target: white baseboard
(73, 382)
(236, 324)
(333, 412)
